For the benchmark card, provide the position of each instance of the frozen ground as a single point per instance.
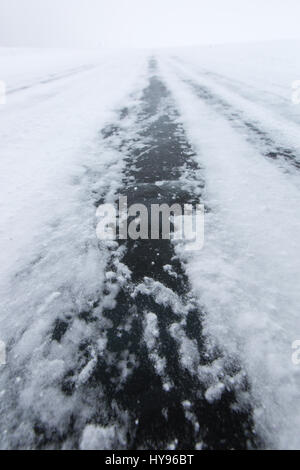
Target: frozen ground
(228, 315)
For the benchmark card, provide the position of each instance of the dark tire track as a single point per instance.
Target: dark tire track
(162, 400)
(255, 135)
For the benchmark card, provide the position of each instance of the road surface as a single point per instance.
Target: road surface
(139, 344)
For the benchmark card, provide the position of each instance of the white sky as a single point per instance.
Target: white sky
(145, 23)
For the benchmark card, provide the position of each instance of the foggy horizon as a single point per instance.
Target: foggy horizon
(140, 24)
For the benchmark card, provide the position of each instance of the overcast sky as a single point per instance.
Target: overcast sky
(145, 23)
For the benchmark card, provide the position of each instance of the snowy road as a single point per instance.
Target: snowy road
(141, 344)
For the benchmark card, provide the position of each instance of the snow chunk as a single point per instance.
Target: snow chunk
(98, 438)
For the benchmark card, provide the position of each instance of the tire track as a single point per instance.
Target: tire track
(142, 375)
(255, 135)
(54, 78)
(161, 385)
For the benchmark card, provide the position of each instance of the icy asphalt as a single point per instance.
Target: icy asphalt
(137, 344)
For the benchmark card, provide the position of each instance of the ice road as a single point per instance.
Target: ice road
(141, 344)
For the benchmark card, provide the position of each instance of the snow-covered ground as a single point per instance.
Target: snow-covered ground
(49, 136)
(52, 168)
(235, 105)
(248, 275)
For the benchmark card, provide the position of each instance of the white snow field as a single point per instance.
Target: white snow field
(235, 105)
(51, 164)
(247, 277)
